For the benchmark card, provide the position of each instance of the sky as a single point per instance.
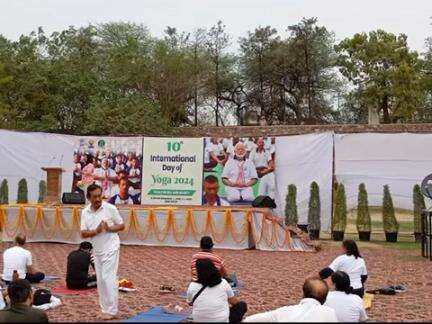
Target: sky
(343, 17)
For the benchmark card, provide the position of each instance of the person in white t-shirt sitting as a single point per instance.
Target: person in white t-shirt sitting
(214, 154)
(211, 296)
(349, 308)
(239, 175)
(352, 264)
(264, 164)
(310, 308)
(19, 259)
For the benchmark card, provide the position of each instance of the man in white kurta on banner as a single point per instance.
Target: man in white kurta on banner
(100, 222)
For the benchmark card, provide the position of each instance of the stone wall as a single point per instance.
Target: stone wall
(280, 130)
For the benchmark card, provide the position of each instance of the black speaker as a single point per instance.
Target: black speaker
(264, 201)
(73, 198)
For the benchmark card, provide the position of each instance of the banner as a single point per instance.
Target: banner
(172, 171)
(114, 163)
(238, 169)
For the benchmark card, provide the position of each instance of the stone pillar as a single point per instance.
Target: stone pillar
(54, 184)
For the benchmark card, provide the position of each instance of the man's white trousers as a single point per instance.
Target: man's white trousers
(106, 266)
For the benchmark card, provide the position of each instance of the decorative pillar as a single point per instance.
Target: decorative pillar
(54, 184)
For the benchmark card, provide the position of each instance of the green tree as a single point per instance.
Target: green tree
(291, 217)
(314, 212)
(4, 192)
(340, 210)
(22, 197)
(42, 191)
(385, 72)
(390, 223)
(363, 216)
(419, 207)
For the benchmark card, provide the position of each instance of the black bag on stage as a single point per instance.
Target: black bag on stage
(73, 198)
(41, 296)
(264, 202)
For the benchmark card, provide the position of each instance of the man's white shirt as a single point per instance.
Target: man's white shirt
(103, 242)
(260, 159)
(348, 307)
(308, 310)
(352, 266)
(16, 258)
(232, 170)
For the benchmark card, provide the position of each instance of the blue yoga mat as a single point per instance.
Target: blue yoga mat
(157, 315)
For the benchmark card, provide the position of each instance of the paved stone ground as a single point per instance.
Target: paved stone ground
(271, 279)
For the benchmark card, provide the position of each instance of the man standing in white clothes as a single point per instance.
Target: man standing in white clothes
(100, 221)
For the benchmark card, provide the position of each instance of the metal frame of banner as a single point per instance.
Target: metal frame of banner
(426, 238)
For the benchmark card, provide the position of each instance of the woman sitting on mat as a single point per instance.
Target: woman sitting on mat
(211, 296)
(352, 264)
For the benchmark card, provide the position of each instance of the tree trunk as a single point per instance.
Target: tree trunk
(217, 90)
(385, 109)
(373, 116)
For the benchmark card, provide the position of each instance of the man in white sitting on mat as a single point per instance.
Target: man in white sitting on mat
(239, 175)
(310, 308)
(100, 222)
(19, 259)
(264, 164)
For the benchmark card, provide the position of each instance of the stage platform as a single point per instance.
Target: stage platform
(230, 228)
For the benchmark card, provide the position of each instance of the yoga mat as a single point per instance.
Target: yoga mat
(50, 278)
(157, 315)
(63, 290)
(367, 300)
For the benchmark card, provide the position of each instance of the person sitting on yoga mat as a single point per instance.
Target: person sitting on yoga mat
(349, 307)
(211, 296)
(310, 309)
(206, 245)
(352, 264)
(78, 264)
(19, 259)
(21, 310)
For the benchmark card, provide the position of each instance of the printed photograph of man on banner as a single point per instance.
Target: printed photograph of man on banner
(114, 164)
(244, 168)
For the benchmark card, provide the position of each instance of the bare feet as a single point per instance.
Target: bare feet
(108, 317)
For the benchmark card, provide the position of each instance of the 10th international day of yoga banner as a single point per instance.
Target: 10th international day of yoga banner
(172, 171)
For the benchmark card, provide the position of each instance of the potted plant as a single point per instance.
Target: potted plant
(339, 214)
(42, 191)
(22, 197)
(291, 216)
(363, 216)
(390, 224)
(314, 213)
(419, 207)
(4, 193)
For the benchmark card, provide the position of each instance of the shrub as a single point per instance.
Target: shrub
(314, 213)
(340, 210)
(42, 191)
(390, 223)
(363, 215)
(419, 206)
(22, 192)
(4, 192)
(291, 217)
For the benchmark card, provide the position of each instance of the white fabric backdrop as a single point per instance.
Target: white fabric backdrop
(300, 160)
(399, 160)
(23, 154)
